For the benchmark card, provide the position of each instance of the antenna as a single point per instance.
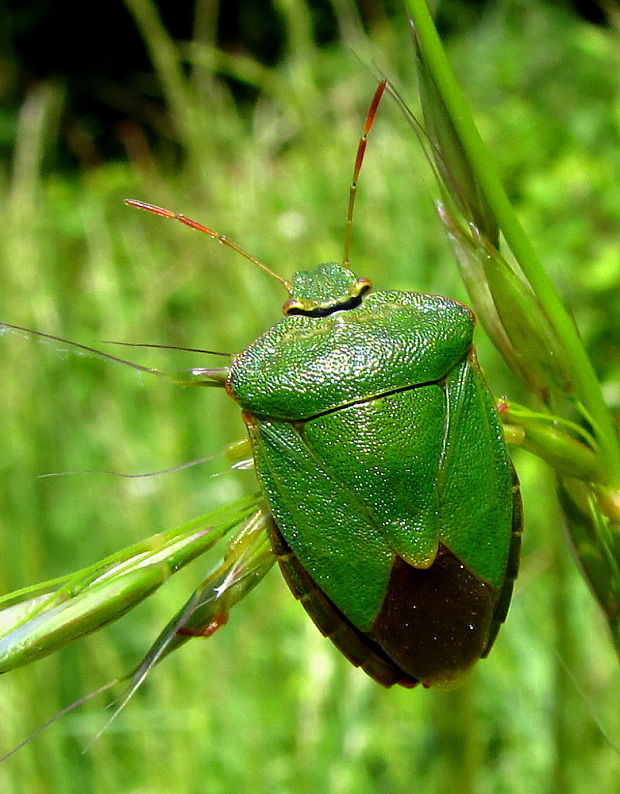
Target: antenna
(359, 158)
(143, 205)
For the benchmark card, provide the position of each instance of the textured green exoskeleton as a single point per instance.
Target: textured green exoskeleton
(396, 511)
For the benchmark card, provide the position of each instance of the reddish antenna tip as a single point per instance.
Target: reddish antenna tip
(359, 159)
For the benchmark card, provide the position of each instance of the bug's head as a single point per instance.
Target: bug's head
(325, 289)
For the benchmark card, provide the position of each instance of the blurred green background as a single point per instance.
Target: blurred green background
(257, 141)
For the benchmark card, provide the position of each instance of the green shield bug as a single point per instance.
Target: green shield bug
(395, 510)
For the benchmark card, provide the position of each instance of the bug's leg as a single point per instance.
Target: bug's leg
(206, 631)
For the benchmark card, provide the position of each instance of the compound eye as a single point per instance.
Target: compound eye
(294, 306)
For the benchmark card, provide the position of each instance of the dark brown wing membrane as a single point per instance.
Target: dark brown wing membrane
(433, 625)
